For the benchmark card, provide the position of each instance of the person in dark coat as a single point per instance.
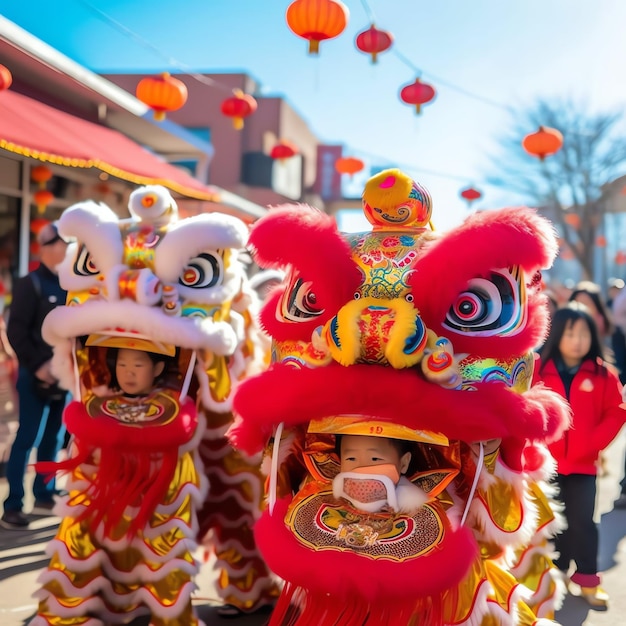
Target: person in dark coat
(41, 401)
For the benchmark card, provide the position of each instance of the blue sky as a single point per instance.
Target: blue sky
(504, 54)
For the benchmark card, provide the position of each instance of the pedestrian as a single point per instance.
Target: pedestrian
(619, 313)
(611, 336)
(614, 288)
(590, 294)
(571, 363)
(41, 401)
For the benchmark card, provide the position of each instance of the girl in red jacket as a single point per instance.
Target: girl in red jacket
(571, 364)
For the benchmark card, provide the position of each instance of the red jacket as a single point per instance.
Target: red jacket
(597, 414)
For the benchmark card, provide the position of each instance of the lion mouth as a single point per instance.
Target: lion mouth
(155, 409)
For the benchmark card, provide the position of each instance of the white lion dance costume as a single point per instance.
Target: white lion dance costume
(164, 286)
(235, 500)
(423, 340)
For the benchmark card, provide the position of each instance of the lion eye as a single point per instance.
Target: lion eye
(84, 264)
(488, 306)
(203, 271)
(299, 303)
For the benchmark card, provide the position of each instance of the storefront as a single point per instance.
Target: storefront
(95, 141)
(68, 135)
(82, 160)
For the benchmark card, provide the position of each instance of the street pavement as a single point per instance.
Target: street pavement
(22, 557)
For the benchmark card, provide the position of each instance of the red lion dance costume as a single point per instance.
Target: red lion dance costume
(164, 286)
(405, 334)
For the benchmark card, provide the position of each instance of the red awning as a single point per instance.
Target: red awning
(36, 130)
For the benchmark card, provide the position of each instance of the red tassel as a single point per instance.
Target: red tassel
(299, 607)
(139, 478)
(136, 466)
(52, 468)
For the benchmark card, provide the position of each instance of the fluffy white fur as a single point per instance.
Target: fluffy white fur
(148, 288)
(67, 322)
(96, 226)
(189, 237)
(481, 518)
(409, 497)
(165, 207)
(286, 448)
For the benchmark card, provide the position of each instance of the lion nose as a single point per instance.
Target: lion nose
(140, 285)
(370, 330)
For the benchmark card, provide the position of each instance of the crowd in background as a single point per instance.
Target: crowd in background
(584, 360)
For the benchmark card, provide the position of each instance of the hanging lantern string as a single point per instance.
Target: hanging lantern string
(368, 11)
(211, 82)
(469, 94)
(377, 158)
(418, 71)
(171, 61)
(206, 80)
(216, 84)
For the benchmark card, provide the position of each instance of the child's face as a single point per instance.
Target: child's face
(575, 342)
(587, 300)
(135, 371)
(362, 451)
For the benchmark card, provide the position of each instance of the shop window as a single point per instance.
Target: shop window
(9, 241)
(10, 173)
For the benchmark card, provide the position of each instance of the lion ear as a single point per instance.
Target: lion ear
(306, 244)
(512, 243)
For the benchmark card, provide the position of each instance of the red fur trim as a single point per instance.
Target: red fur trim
(490, 239)
(534, 458)
(346, 575)
(271, 323)
(51, 468)
(520, 454)
(300, 607)
(129, 478)
(136, 466)
(106, 431)
(307, 239)
(401, 396)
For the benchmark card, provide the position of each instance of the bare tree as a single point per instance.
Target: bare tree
(571, 185)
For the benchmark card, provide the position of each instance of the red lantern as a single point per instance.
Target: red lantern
(239, 106)
(417, 94)
(162, 93)
(601, 241)
(573, 220)
(620, 258)
(37, 224)
(283, 150)
(349, 165)
(41, 175)
(102, 188)
(471, 195)
(373, 41)
(316, 20)
(6, 78)
(42, 199)
(544, 142)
